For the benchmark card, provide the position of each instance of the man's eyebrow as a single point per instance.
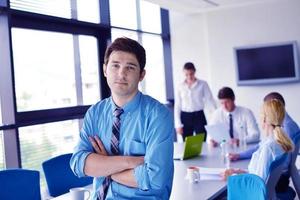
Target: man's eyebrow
(130, 63)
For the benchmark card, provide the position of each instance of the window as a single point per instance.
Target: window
(45, 69)
(88, 11)
(89, 69)
(150, 17)
(115, 33)
(2, 166)
(56, 64)
(123, 13)
(42, 142)
(80, 9)
(59, 8)
(155, 71)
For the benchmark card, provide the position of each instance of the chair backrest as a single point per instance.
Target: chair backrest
(59, 176)
(292, 167)
(246, 187)
(20, 184)
(275, 171)
(294, 154)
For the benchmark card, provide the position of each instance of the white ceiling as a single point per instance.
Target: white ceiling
(199, 6)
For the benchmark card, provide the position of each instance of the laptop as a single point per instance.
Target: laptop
(192, 147)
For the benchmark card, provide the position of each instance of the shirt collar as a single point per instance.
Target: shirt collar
(193, 85)
(131, 105)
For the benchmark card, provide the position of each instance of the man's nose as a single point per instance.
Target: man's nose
(122, 71)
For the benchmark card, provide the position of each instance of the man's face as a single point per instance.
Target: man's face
(189, 75)
(227, 104)
(123, 74)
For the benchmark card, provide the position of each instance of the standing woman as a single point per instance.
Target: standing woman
(275, 143)
(191, 97)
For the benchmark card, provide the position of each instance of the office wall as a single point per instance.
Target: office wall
(208, 40)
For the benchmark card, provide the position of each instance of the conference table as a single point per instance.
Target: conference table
(207, 188)
(210, 157)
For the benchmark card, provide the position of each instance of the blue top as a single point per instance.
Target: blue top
(146, 129)
(290, 127)
(268, 151)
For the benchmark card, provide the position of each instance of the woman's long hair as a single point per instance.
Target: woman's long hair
(273, 113)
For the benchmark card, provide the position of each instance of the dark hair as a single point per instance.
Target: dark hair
(226, 93)
(189, 66)
(274, 95)
(127, 45)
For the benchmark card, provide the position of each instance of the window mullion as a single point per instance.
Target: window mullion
(6, 95)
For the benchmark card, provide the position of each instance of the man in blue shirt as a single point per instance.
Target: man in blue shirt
(142, 167)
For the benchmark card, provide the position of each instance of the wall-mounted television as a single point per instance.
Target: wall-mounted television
(267, 64)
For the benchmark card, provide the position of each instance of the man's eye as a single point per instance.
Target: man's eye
(115, 65)
(131, 68)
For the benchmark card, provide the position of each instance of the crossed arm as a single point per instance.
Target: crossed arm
(119, 168)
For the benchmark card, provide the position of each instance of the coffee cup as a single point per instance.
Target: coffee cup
(79, 193)
(193, 174)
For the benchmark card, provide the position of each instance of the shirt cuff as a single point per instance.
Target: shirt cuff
(141, 177)
(79, 170)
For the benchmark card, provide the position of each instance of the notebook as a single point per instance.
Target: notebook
(218, 132)
(192, 147)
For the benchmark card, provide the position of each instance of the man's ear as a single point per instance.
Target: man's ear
(104, 70)
(142, 75)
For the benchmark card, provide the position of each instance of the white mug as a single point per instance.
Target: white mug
(78, 193)
(193, 174)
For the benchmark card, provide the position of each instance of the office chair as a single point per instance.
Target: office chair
(252, 188)
(292, 167)
(275, 171)
(246, 187)
(59, 176)
(18, 184)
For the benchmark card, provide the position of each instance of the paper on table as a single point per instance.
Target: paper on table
(218, 132)
(207, 173)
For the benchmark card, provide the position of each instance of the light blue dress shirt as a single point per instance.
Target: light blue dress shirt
(146, 130)
(290, 127)
(261, 160)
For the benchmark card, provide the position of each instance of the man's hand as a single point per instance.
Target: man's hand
(179, 131)
(98, 145)
(235, 141)
(234, 156)
(213, 143)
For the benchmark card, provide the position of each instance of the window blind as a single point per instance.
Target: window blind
(58, 8)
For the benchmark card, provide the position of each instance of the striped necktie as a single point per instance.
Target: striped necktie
(114, 147)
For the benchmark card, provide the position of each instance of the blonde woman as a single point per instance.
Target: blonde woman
(275, 143)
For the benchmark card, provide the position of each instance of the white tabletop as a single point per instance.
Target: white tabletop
(204, 189)
(182, 189)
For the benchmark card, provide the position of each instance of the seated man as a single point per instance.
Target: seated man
(236, 117)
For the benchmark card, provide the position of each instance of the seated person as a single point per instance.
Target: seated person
(275, 143)
(236, 117)
(289, 126)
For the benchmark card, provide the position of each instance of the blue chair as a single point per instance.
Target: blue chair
(246, 187)
(251, 186)
(18, 184)
(292, 167)
(275, 171)
(59, 176)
